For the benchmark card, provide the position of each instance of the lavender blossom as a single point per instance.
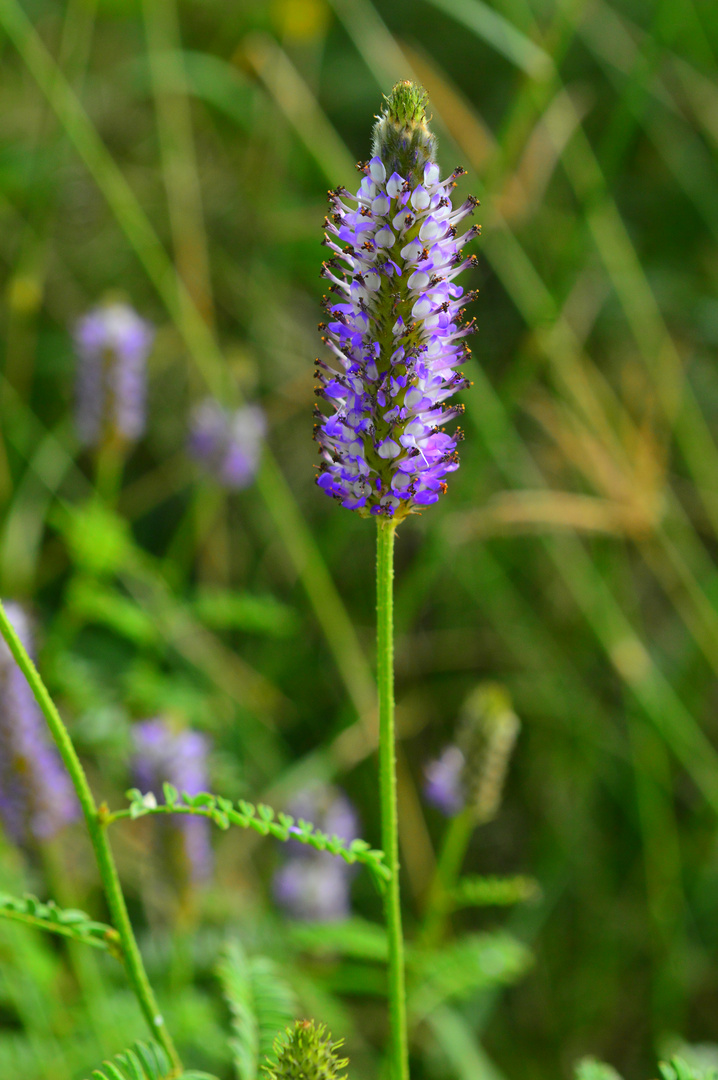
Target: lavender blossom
(179, 757)
(395, 326)
(314, 885)
(36, 796)
(112, 344)
(228, 442)
(444, 784)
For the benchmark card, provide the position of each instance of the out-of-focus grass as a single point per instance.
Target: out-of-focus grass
(180, 153)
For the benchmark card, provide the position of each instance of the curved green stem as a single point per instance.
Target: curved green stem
(387, 780)
(103, 853)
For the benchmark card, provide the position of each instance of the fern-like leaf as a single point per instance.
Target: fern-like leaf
(261, 818)
(30, 911)
(143, 1061)
(471, 963)
(356, 938)
(493, 891)
(261, 1005)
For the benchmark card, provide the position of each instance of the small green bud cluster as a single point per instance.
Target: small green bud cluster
(401, 137)
(306, 1052)
(489, 729)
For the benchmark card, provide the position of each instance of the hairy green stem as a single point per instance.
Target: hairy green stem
(387, 780)
(103, 853)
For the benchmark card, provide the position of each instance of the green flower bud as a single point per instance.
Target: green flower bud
(489, 729)
(306, 1053)
(401, 137)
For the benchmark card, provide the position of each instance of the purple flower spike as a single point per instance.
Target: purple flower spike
(228, 442)
(444, 786)
(112, 344)
(394, 323)
(179, 757)
(314, 885)
(36, 796)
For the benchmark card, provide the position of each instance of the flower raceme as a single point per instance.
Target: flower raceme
(112, 344)
(394, 323)
(180, 757)
(227, 442)
(36, 797)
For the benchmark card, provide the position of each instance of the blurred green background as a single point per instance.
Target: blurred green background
(178, 153)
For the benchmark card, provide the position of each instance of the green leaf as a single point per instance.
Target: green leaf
(144, 1061)
(222, 610)
(264, 821)
(679, 1069)
(67, 922)
(355, 938)
(590, 1069)
(99, 540)
(261, 1004)
(96, 602)
(474, 962)
(493, 891)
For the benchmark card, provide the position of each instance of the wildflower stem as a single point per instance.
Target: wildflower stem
(103, 853)
(387, 777)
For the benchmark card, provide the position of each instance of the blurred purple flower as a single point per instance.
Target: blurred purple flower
(444, 781)
(112, 344)
(36, 796)
(179, 757)
(315, 889)
(228, 442)
(314, 885)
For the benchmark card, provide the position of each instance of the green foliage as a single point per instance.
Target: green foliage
(260, 818)
(460, 968)
(678, 1069)
(144, 1061)
(355, 938)
(590, 1069)
(98, 539)
(223, 610)
(260, 1002)
(67, 922)
(494, 891)
(306, 1052)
